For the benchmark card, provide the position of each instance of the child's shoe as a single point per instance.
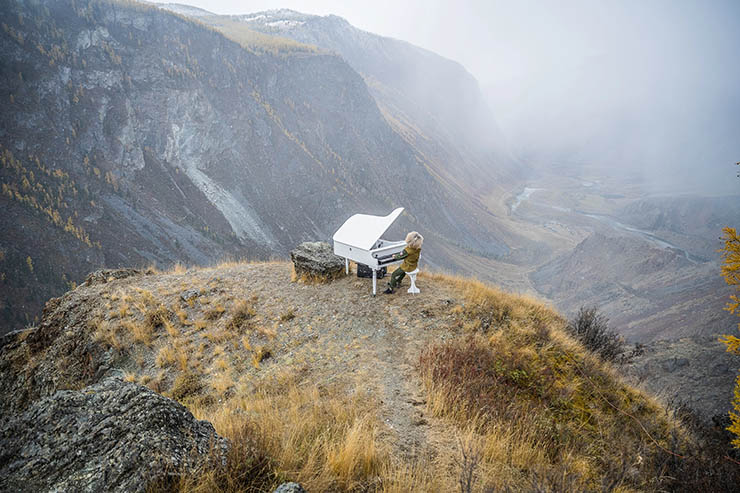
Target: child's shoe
(388, 291)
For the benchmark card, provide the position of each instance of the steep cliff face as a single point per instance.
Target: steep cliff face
(130, 136)
(433, 102)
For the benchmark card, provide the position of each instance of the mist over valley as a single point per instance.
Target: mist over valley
(159, 162)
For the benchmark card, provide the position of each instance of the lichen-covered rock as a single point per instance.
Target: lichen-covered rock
(317, 260)
(105, 275)
(111, 436)
(289, 488)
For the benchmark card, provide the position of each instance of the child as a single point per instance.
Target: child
(410, 256)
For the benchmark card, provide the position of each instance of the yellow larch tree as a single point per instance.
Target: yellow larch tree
(731, 273)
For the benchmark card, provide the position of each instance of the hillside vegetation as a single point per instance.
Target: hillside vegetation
(255, 41)
(463, 387)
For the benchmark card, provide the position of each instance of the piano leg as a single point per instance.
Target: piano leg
(346, 266)
(375, 280)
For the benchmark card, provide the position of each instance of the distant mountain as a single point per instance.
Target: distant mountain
(130, 135)
(433, 102)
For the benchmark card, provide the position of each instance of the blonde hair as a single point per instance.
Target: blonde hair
(414, 240)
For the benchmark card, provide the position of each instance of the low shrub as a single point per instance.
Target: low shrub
(591, 328)
(243, 312)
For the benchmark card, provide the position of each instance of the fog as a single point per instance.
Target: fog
(643, 90)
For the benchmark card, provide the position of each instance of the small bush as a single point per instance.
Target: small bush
(157, 318)
(186, 385)
(215, 313)
(706, 463)
(241, 314)
(591, 328)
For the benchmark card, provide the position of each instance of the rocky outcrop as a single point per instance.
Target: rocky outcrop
(105, 275)
(111, 436)
(692, 371)
(316, 260)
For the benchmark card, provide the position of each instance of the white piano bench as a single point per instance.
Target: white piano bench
(412, 276)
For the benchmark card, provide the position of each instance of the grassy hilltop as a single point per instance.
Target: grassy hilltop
(461, 388)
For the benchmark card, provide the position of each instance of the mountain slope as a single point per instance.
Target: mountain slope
(344, 392)
(433, 102)
(649, 292)
(135, 136)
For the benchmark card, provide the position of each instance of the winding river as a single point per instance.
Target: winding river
(609, 221)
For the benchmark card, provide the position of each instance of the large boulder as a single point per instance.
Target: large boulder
(112, 436)
(316, 261)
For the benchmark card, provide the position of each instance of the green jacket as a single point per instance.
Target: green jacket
(410, 258)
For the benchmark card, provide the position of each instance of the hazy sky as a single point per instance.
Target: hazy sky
(500, 40)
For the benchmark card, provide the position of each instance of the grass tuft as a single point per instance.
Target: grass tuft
(242, 313)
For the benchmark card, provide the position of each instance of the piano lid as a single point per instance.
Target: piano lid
(363, 230)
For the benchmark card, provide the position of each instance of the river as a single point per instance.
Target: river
(609, 221)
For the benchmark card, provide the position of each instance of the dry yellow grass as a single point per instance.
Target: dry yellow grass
(246, 344)
(540, 422)
(171, 329)
(165, 357)
(222, 382)
(324, 440)
(215, 312)
(123, 310)
(221, 364)
(183, 317)
(216, 335)
(183, 360)
(536, 400)
(141, 332)
(108, 334)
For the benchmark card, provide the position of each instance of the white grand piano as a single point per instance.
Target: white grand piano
(359, 239)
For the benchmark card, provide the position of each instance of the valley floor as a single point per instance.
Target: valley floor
(649, 262)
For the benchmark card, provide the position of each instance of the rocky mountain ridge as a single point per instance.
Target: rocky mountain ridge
(134, 136)
(302, 378)
(432, 102)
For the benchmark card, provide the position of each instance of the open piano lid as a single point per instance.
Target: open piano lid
(363, 230)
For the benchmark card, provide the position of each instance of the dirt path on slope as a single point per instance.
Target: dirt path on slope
(341, 333)
(325, 335)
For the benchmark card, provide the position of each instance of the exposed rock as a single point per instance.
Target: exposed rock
(189, 294)
(11, 336)
(105, 275)
(316, 259)
(695, 371)
(672, 364)
(58, 354)
(111, 436)
(289, 488)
